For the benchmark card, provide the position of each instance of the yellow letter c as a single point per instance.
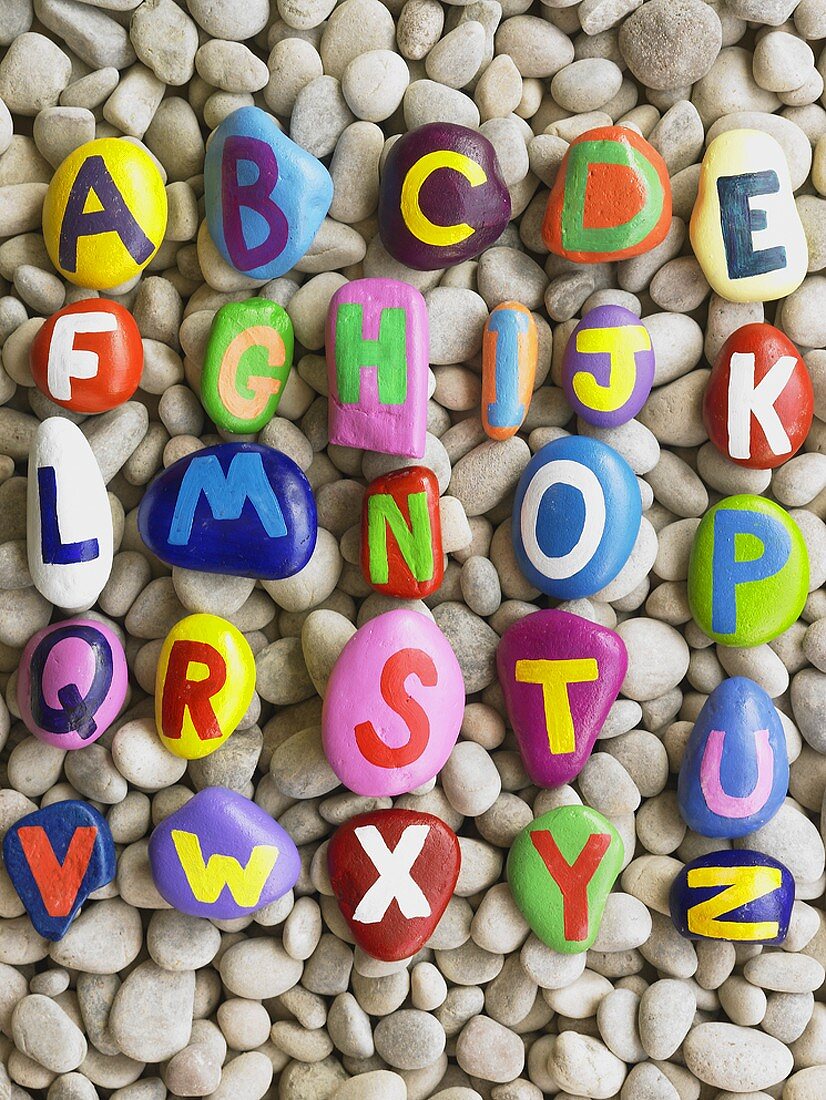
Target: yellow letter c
(418, 224)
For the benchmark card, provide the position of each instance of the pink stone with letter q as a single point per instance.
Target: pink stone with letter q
(394, 705)
(377, 360)
(72, 682)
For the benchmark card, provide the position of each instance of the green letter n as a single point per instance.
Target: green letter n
(388, 354)
(415, 541)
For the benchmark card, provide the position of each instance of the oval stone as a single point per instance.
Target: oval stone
(196, 712)
(559, 674)
(576, 516)
(561, 868)
(608, 366)
(265, 196)
(509, 356)
(394, 705)
(611, 198)
(68, 518)
(72, 682)
(735, 769)
(246, 364)
(759, 402)
(221, 856)
(742, 896)
(442, 198)
(745, 229)
(104, 215)
(56, 857)
(393, 873)
(748, 574)
(88, 357)
(237, 508)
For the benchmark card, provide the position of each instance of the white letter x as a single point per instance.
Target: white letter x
(395, 880)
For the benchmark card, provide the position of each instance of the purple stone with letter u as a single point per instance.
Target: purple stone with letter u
(265, 195)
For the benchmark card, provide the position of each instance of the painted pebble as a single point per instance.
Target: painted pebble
(88, 357)
(401, 534)
(748, 574)
(69, 521)
(608, 366)
(104, 215)
(237, 508)
(204, 683)
(442, 198)
(561, 868)
(56, 857)
(265, 196)
(742, 896)
(759, 403)
(509, 355)
(221, 856)
(394, 705)
(393, 873)
(246, 364)
(72, 682)
(559, 674)
(611, 198)
(745, 229)
(377, 366)
(576, 516)
(735, 769)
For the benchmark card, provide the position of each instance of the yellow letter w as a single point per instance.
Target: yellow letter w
(208, 879)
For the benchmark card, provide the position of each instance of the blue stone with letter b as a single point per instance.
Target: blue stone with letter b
(265, 196)
(576, 516)
(237, 508)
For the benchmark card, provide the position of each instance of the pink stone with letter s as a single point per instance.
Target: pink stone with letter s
(394, 705)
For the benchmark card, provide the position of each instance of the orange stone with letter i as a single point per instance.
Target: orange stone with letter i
(401, 534)
(204, 684)
(509, 354)
(611, 199)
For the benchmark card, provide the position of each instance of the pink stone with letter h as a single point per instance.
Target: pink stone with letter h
(377, 361)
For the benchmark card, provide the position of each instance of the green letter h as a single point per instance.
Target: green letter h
(388, 354)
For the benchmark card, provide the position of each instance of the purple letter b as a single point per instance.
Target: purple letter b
(254, 196)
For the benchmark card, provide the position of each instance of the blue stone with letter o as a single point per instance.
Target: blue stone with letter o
(576, 517)
(237, 508)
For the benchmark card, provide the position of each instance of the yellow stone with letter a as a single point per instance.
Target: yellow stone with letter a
(104, 215)
(203, 686)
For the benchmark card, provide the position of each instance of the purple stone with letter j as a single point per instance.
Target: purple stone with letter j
(608, 366)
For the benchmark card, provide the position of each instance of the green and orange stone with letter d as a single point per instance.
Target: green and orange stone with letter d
(611, 199)
(561, 869)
